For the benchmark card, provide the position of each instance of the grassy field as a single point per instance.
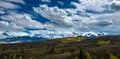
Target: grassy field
(107, 47)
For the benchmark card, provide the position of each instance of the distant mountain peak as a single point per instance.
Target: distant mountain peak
(48, 36)
(5, 34)
(94, 34)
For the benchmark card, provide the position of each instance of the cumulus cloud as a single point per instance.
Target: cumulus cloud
(54, 14)
(94, 5)
(112, 18)
(2, 11)
(19, 21)
(87, 16)
(5, 7)
(19, 33)
(61, 3)
(16, 1)
(5, 26)
(45, 0)
(79, 19)
(8, 5)
(115, 5)
(1, 32)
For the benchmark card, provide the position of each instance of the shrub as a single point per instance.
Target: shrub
(103, 42)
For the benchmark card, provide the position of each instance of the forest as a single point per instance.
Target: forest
(103, 47)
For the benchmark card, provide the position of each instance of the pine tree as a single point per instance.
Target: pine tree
(51, 50)
(3, 49)
(113, 56)
(81, 54)
(10, 56)
(14, 56)
(22, 49)
(88, 56)
(31, 58)
(20, 57)
(5, 57)
(76, 57)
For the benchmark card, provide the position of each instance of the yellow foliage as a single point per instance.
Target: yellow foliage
(20, 57)
(76, 57)
(31, 58)
(14, 56)
(113, 56)
(74, 39)
(88, 55)
(103, 42)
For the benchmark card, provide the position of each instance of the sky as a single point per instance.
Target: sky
(61, 17)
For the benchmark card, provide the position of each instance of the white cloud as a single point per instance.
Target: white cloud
(4, 23)
(78, 6)
(61, 3)
(19, 21)
(54, 14)
(14, 33)
(113, 18)
(7, 5)
(2, 11)
(97, 6)
(5, 26)
(64, 22)
(1, 32)
(52, 34)
(81, 22)
(16, 1)
(59, 16)
(45, 0)
(115, 5)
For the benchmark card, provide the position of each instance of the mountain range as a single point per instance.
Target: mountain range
(7, 38)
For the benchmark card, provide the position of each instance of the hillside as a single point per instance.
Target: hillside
(106, 47)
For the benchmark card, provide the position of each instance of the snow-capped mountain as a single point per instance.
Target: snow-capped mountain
(12, 34)
(6, 37)
(22, 39)
(94, 34)
(56, 35)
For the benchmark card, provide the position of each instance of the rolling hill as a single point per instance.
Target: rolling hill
(102, 47)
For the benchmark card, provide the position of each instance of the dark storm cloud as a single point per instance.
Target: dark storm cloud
(103, 23)
(115, 7)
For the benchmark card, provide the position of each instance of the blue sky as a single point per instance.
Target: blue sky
(59, 17)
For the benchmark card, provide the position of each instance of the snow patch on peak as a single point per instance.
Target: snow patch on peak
(51, 34)
(94, 34)
(55, 34)
(12, 34)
